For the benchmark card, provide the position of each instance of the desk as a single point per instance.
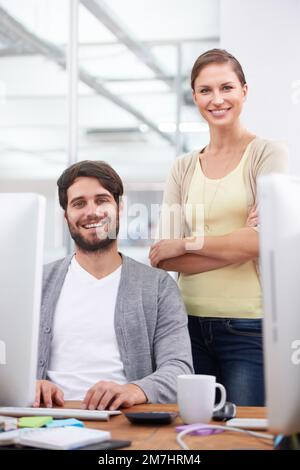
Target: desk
(163, 437)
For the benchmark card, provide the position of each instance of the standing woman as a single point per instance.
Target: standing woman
(219, 279)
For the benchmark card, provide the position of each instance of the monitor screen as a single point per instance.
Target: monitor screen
(21, 253)
(279, 214)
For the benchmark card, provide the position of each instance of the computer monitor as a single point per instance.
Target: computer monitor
(279, 212)
(21, 262)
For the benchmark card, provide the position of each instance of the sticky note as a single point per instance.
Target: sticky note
(34, 421)
(57, 423)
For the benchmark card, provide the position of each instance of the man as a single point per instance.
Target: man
(113, 331)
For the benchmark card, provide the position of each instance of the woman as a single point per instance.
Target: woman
(218, 271)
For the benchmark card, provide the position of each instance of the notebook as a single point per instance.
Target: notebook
(66, 438)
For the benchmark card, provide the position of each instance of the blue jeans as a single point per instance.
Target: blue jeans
(232, 350)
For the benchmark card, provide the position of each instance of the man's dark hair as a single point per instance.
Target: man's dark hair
(102, 171)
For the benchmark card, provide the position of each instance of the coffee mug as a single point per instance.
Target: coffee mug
(196, 397)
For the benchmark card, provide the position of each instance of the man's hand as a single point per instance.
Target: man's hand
(48, 393)
(110, 395)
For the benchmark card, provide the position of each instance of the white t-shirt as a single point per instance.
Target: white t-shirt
(84, 348)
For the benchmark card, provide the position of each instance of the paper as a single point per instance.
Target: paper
(7, 423)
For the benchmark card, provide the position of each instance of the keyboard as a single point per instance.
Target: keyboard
(89, 415)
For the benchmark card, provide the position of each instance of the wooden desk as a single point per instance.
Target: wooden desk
(163, 437)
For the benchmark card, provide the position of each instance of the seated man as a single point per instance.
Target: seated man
(113, 331)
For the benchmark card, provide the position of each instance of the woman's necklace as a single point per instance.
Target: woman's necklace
(207, 227)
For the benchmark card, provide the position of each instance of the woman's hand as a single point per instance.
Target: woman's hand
(252, 220)
(166, 249)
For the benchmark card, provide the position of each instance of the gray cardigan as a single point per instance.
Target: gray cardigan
(150, 325)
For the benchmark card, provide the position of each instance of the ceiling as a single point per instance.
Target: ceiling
(130, 92)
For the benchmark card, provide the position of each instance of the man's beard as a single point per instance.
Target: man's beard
(99, 245)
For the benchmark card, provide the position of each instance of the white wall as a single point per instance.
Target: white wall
(264, 35)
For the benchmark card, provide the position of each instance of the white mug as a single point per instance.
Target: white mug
(196, 397)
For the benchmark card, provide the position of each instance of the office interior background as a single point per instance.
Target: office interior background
(101, 80)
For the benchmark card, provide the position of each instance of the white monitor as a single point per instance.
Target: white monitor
(22, 219)
(279, 212)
